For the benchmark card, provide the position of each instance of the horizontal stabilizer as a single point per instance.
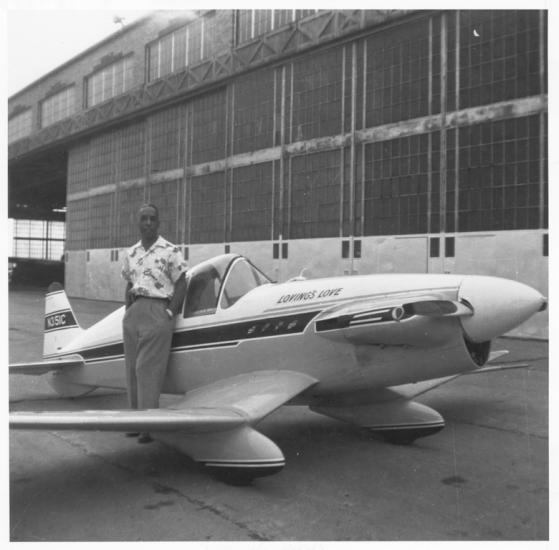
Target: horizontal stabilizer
(193, 420)
(42, 367)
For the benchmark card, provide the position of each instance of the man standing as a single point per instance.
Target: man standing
(155, 273)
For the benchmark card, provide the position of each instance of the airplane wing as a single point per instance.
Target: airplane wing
(42, 367)
(236, 401)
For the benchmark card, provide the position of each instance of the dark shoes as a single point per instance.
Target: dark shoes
(145, 438)
(142, 437)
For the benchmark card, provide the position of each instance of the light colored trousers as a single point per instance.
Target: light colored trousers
(147, 331)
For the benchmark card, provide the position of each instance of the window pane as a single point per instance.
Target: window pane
(179, 51)
(58, 107)
(109, 82)
(20, 126)
(195, 41)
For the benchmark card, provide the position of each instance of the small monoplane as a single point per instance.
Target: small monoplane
(357, 349)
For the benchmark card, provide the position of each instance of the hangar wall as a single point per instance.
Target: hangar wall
(417, 145)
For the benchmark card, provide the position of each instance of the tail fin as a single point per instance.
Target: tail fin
(61, 326)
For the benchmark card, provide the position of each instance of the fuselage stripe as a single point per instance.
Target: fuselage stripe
(48, 331)
(216, 336)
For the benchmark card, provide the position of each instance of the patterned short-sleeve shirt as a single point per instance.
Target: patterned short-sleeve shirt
(153, 272)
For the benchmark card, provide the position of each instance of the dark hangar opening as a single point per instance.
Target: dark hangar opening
(37, 214)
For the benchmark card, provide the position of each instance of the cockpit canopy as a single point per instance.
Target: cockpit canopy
(220, 281)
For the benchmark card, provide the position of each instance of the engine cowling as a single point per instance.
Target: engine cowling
(498, 305)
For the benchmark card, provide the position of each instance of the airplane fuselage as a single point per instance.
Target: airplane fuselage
(303, 325)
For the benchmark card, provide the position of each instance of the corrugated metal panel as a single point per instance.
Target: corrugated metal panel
(208, 127)
(499, 55)
(102, 161)
(253, 114)
(396, 184)
(500, 175)
(78, 162)
(167, 196)
(397, 73)
(133, 163)
(166, 139)
(128, 202)
(317, 95)
(252, 203)
(100, 210)
(315, 195)
(77, 223)
(207, 208)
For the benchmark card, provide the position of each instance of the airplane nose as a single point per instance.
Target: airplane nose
(499, 305)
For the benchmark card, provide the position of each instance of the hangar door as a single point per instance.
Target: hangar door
(404, 255)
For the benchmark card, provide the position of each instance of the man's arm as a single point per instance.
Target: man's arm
(127, 295)
(178, 295)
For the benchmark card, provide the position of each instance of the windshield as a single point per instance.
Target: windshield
(206, 279)
(204, 283)
(242, 278)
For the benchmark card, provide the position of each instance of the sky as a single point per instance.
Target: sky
(40, 40)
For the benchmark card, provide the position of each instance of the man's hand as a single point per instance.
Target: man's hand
(128, 298)
(176, 301)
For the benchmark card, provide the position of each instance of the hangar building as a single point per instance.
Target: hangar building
(330, 141)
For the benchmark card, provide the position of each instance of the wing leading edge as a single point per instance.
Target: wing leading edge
(42, 367)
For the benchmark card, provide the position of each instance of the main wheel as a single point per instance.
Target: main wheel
(232, 476)
(241, 476)
(405, 436)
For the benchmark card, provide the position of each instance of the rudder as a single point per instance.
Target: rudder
(61, 325)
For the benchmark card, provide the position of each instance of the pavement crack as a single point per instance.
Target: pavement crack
(166, 489)
(505, 430)
(204, 506)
